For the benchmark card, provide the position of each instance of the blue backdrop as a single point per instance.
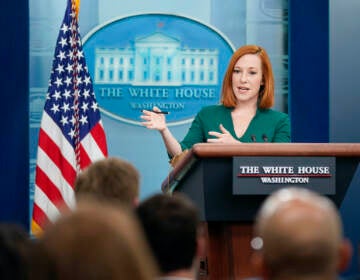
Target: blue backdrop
(14, 161)
(321, 109)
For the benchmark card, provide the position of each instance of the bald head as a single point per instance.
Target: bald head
(301, 233)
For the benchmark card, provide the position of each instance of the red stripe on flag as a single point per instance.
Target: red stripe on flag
(48, 187)
(40, 217)
(98, 134)
(84, 158)
(54, 153)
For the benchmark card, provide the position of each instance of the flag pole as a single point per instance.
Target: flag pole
(74, 23)
(76, 3)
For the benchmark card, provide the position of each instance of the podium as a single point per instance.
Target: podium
(207, 173)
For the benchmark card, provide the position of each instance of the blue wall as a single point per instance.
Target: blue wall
(14, 171)
(344, 70)
(309, 70)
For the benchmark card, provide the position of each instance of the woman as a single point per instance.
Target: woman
(244, 114)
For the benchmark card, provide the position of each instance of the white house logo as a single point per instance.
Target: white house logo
(145, 60)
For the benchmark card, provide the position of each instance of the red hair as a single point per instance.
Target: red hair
(266, 94)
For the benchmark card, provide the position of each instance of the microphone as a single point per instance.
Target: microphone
(253, 138)
(265, 138)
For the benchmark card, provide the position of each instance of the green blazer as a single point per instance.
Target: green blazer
(266, 126)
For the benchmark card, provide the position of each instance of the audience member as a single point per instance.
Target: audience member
(14, 249)
(299, 236)
(110, 179)
(172, 226)
(96, 241)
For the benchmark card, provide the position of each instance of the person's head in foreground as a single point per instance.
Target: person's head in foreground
(96, 241)
(15, 246)
(111, 179)
(298, 235)
(172, 226)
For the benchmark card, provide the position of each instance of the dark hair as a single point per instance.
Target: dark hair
(171, 226)
(14, 250)
(266, 94)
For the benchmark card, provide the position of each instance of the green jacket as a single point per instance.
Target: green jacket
(266, 126)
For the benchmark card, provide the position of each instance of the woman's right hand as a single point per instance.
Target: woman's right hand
(153, 120)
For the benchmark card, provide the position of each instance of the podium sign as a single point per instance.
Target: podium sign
(263, 175)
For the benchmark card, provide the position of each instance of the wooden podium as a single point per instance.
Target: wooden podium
(206, 175)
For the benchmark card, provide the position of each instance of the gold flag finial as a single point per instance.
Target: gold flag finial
(77, 7)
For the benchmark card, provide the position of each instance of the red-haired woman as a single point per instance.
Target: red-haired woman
(245, 113)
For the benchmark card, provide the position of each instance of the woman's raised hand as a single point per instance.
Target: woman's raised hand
(153, 120)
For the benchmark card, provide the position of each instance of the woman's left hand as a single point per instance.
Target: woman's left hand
(222, 137)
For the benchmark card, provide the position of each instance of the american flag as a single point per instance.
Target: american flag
(71, 133)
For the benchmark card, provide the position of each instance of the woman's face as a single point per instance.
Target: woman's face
(247, 78)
